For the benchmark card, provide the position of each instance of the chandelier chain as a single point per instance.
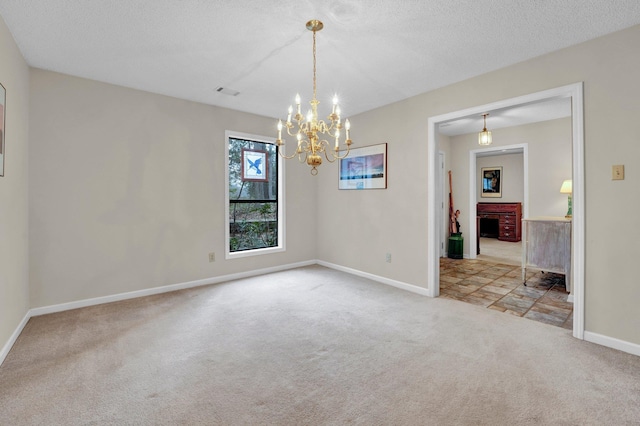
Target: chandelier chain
(314, 65)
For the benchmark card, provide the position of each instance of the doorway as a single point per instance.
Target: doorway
(473, 161)
(573, 92)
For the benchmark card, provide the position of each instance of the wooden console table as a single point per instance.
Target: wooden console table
(509, 217)
(546, 246)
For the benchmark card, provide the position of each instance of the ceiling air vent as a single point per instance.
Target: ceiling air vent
(226, 91)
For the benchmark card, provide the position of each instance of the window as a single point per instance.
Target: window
(254, 196)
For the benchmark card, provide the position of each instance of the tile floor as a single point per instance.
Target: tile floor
(499, 286)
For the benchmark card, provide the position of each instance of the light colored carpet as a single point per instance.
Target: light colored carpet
(310, 346)
(494, 250)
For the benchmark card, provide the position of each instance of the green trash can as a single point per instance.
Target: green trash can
(455, 246)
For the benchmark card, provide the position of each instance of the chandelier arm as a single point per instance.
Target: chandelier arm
(331, 159)
(283, 155)
(337, 156)
(291, 134)
(324, 147)
(324, 128)
(346, 153)
(303, 128)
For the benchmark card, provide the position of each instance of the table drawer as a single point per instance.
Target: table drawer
(509, 236)
(508, 219)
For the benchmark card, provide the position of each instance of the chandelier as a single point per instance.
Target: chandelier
(311, 133)
(484, 137)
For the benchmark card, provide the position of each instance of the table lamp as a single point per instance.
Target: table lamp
(567, 188)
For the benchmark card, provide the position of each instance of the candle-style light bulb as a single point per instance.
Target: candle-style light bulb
(298, 102)
(279, 129)
(309, 116)
(347, 126)
(337, 138)
(335, 103)
(299, 136)
(289, 116)
(338, 110)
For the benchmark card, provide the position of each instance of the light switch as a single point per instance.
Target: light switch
(617, 172)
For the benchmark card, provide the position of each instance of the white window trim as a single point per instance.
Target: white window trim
(281, 215)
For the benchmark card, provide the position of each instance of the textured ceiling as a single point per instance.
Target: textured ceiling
(370, 52)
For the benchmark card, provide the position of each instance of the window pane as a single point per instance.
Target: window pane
(253, 195)
(253, 226)
(247, 189)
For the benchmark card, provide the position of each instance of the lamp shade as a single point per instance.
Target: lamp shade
(567, 187)
(484, 137)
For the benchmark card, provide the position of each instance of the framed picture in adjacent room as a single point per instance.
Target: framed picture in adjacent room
(491, 182)
(364, 168)
(3, 103)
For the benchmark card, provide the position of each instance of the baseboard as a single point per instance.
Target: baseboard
(164, 289)
(398, 284)
(7, 346)
(599, 339)
(34, 312)
(612, 342)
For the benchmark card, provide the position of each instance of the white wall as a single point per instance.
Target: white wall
(549, 166)
(128, 191)
(14, 294)
(356, 227)
(14, 291)
(512, 178)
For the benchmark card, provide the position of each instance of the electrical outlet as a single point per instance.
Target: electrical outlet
(388, 258)
(212, 257)
(617, 172)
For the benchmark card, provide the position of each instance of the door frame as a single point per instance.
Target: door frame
(442, 214)
(576, 93)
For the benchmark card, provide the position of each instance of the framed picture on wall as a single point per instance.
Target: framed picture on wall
(254, 165)
(3, 99)
(491, 181)
(364, 168)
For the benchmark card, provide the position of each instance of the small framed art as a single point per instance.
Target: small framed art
(254, 166)
(491, 182)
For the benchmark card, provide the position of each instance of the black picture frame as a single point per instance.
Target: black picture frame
(491, 181)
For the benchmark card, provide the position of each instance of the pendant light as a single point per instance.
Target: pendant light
(484, 137)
